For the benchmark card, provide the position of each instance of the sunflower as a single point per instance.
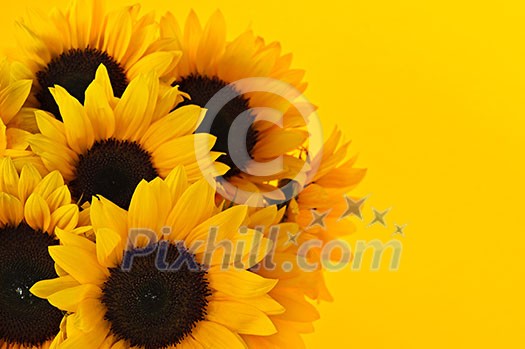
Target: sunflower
(109, 145)
(31, 208)
(294, 284)
(210, 64)
(66, 48)
(146, 302)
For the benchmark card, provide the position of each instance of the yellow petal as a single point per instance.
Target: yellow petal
(149, 206)
(103, 81)
(297, 307)
(82, 21)
(252, 248)
(191, 38)
(143, 34)
(54, 162)
(98, 108)
(205, 167)
(131, 119)
(242, 318)
(239, 53)
(177, 181)
(69, 298)
(49, 184)
(105, 214)
(92, 339)
(11, 210)
(226, 224)
(157, 62)
(13, 97)
(109, 247)
(167, 102)
(17, 139)
(118, 34)
(278, 143)
(29, 179)
(42, 145)
(60, 197)
(3, 138)
(264, 217)
(46, 288)
(90, 313)
(71, 239)
(190, 343)
(240, 283)
(9, 177)
(37, 213)
(50, 127)
(195, 206)
(181, 122)
(32, 43)
(214, 335)
(264, 303)
(212, 42)
(79, 131)
(79, 263)
(344, 177)
(83, 217)
(65, 217)
(184, 151)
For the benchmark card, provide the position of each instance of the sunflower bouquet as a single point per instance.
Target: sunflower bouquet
(157, 185)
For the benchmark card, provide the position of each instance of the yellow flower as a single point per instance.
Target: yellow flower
(109, 145)
(120, 296)
(66, 48)
(31, 208)
(210, 64)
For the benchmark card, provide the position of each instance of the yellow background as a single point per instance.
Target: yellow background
(433, 95)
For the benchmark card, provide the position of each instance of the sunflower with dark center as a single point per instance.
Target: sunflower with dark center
(30, 212)
(210, 64)
(108, 145)
(156, 293)
(66, 48)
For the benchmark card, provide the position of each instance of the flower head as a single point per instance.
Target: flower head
(117, 294)
(108, 145)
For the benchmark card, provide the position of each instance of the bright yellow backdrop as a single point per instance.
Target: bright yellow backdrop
(433, 95)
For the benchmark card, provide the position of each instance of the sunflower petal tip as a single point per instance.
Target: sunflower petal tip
(101, 70)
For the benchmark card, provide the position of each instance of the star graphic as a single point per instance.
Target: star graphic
(353, 208)
(400, 229)
(318, 218)
(292, 239)
(379, 217)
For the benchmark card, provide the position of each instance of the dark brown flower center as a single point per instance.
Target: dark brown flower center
(152, 307)
(112, 168)
(24, 260)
